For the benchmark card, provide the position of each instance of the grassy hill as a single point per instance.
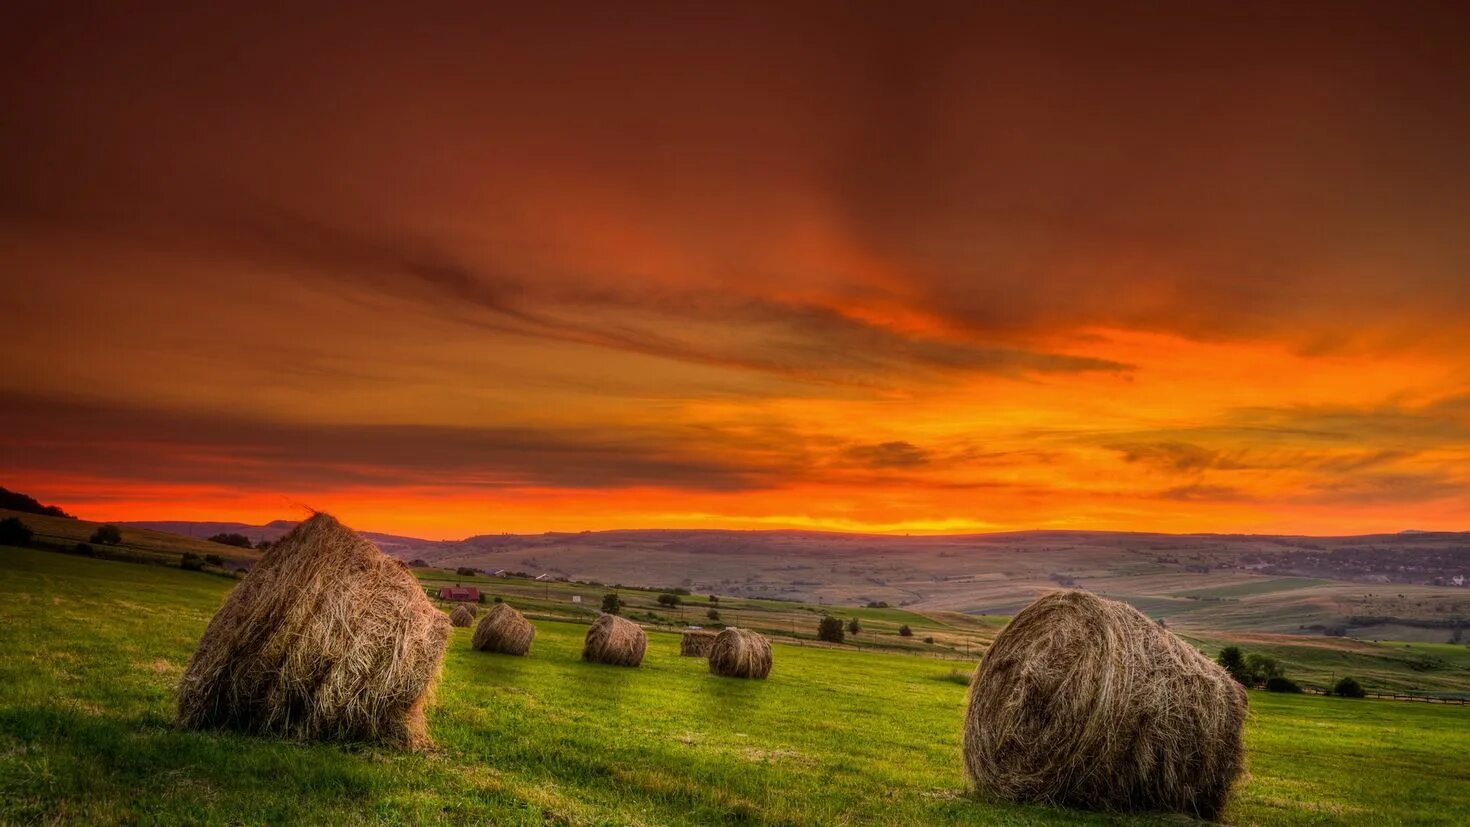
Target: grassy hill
(90, 651)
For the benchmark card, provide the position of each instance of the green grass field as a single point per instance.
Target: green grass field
(90, 651)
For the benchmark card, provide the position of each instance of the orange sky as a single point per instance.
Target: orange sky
(753, 268)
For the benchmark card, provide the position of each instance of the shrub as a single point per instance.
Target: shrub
(106, 535)
(611, 603)
(231, 539)
(712, 614)
(854, 627)
(498, 599)
(83, 549)
(13, 532)
(929, 640)
(418, 563)
(877, 604)
(265, 544)
(465, 571)
(668, 599)
(1348, 688)
(191, 562)
(714, 599)
(1281, 683)
(214, 560)
(1261, 668)
(830, 629)
(905, 631)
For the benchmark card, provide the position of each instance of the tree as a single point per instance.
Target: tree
(265, 544)
(712, 614)
(1233, 661)
(669, 600)
(466, 571)
(611, 603)
(16, 501)
(905, 631)
(191, 562)
(1261, 668)
(929, 640)
(1281, 683)
(1348, 688)
(714, 599)
(214, 560)
(107, 535)
(854, 627)
(231, 539)
(830, 629)
(13, 532)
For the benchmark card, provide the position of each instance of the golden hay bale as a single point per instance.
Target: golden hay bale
(504, 630)
(327, 638)
(737, 653)
(1085, 702)
(462, 615)
(695, 643)
(616, 641)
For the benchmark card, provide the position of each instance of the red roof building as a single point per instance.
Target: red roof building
(467, 594)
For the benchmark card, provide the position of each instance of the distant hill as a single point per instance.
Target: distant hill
(16, 501)
(404, 548)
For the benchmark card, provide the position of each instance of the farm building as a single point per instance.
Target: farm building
(461, 593)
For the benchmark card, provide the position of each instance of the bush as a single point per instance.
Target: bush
(266, 544)
(905, 631)
(231, 539)
(498, 599)
(668, 599)
(712, 614)
(854, 627)
(106, 535)
(13, 532)
(611, 603)
(1348, 688)
(714, 599)
(83, 549)
(830, 629)
(214, 560)
(466, 571)
(1261, 668)
(929, 640)
(877, 604)
(191, 562)
(1281, 683)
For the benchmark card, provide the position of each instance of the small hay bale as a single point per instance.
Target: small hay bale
(616, 641)
(462, 615)
(1085, 702)
(695, 643)
(504, 630)
(738, 653)
(326, 638)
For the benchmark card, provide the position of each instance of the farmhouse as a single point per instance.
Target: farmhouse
(464, 593)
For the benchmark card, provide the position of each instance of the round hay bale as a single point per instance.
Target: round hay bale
(504, 630)
(616, 641)
(738, 653)
(326, 638)
(462, 616)
(1085, 702)
(695, 643)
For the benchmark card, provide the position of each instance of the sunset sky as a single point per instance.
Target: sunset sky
(450, 270)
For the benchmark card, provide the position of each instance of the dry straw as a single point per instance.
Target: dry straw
(462, 616)
(615, 640)
(327, 638)
(695, 643)
(1085, 702)
(737, 653)
(504, 630)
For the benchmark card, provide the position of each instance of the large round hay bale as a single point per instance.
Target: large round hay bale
(616, 641)
(504, 630)
(695, 643)
(462, 616)
(327, 638)
(738, 653)
(1085, 702)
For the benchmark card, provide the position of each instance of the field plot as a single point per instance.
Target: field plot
(90, 651)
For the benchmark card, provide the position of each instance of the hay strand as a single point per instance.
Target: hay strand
(504, 630)
(1085, 702)
(616, 641)
(327, 638)
(695, 643)
(738, 653)
(462, 616)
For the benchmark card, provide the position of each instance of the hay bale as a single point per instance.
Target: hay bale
(1085, 702)
(327, 638)
(695, 643)
(738, 653)
(616, 641)
(462, 616)
(504, 630)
